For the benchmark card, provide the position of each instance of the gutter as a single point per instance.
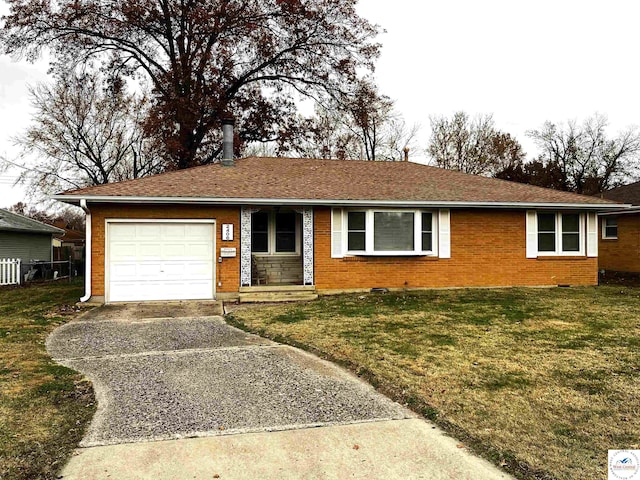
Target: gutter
(87, 254)
(74, 199)
(629, 211)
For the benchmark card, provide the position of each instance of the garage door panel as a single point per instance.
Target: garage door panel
(194, 231)
(149, 270)
(148, 230)
(150, 251)
(174, 231)
(199, 250)
(161, 290)
(121, 251)
(161, 262)
(124, 231)
(123, 271)
(174, 251)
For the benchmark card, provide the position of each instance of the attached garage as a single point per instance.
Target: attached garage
(160, 260)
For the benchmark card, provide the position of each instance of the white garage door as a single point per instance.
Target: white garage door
(160, 261)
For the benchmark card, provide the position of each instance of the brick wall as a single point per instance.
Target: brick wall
(623, 254)
(487, 249)
(228, 273)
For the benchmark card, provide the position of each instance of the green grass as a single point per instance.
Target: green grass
(44, 407)
(527, 377)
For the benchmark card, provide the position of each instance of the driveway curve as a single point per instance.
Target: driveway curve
(165, 378)
(177, 373)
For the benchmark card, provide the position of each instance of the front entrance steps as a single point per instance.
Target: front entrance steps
(277, 293)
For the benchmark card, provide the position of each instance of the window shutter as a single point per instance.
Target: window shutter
(532, 234)
(444, 233)
(336, 233)
(592, 234)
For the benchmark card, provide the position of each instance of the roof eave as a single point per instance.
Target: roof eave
(629, 211)
(75, 200)
(29, 230)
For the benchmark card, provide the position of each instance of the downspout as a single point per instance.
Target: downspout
(87, 252)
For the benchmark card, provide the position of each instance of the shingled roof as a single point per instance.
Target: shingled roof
(13, 222)
(625, 194)
(328, 181)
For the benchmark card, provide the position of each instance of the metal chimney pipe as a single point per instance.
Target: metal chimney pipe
(406, 153)
(227, 142)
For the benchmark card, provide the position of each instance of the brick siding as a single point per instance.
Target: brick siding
(623, 254)
(488, 248)
(228, 273)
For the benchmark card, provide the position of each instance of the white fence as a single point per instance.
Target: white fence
(9, 271)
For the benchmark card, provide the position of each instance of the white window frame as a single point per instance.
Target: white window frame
(604, 228)
(271, 236)
(369, 233)
(558, 252)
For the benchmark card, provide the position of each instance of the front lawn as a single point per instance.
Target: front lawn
(44, 407)
(541, 381)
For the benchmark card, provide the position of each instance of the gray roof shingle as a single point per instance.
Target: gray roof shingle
(331, 180)
(13, 222)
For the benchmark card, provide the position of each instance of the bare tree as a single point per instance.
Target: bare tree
(204, 59)
(84, 132)
(362, 124)
(471, 145)
(70, 217)
(590, 162)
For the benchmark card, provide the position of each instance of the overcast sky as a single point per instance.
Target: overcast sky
(523, 61)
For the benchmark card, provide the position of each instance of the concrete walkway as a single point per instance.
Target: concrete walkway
(194, 398)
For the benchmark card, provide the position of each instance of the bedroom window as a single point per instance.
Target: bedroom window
(570, 232)
(356, 231)
(610, 228)
(427, 231)
(389, 232)
(560, 233)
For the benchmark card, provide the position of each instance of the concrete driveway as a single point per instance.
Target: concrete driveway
(236, 405)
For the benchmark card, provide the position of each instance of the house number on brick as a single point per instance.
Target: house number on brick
(227, 232)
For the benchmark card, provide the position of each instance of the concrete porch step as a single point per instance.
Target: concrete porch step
(293, 293)
(276, 297)
(278, 288)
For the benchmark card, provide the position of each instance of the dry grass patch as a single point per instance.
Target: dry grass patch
(44, 407)
(543, 381)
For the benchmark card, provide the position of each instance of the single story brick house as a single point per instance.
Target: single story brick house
(620, 231)
(222, 230)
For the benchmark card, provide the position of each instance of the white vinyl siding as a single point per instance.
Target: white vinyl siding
(25, 246)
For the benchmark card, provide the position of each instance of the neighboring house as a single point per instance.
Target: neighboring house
(328, 225)
(24, 238)
(620, 231)
(68, 243)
